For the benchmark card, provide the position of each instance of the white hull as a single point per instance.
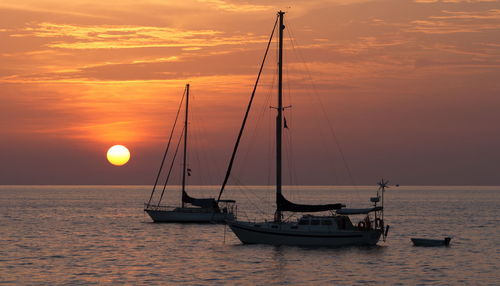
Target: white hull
(194, 215)
(287, 234)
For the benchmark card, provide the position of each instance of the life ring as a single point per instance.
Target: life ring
(379, 222)
(361, 225)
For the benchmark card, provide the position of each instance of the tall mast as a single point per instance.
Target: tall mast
(233, 156)
(184, 167)
(279, 118)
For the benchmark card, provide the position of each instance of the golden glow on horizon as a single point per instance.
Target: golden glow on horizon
(118, 155)
(114, 74)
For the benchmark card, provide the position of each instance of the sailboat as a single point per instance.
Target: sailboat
(191, 210)
(335, 229)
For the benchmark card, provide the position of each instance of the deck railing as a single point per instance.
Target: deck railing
(158, 207)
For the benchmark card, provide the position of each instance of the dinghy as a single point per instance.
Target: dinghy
(431, 242)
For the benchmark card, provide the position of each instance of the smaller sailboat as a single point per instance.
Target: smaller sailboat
(191, 210)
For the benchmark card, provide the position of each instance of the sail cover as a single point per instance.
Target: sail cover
(286, 205)
(359, 211)
(204, 203)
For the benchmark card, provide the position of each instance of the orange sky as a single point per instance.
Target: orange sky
(412, 87)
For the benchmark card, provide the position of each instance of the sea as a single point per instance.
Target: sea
(86, 235)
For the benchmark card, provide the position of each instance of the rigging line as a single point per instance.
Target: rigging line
(270, 143)
(270, 119)
(290, 31)
(241, 187)
(290, 159)
(199, 171)
(293, 165)
(291, 120)
(245, 190)
(286, 149)
(269, 123)
(288, 217)
(171, 166)
(199, 145)
(265, 107)
(246, 115)
(292, 172)
(271, 153)
(208, 165)
(330, 124)
(195, 156)
(167, 148)
(253, 132)
(244, 187)
(294, 178)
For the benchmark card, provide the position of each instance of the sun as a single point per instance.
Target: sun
(118, 155)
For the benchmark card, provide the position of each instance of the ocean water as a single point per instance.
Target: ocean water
(57, 235)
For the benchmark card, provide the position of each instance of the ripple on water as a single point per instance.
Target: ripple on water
(88, 236)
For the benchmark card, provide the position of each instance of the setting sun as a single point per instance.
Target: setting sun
(118, 155)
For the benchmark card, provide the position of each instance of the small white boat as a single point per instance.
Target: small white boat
(190, 214)
(191, 210)
(431, 242)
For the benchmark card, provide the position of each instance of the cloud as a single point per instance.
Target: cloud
(45, 8)
(443, 27)
(453, 1)
(470, 15)
(233, 7)
(451, 22)
(78, 37)
(427, 62)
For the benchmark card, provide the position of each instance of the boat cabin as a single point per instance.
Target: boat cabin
(340, 222)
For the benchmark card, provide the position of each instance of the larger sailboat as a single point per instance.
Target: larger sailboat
(334, 229)
(191, 210)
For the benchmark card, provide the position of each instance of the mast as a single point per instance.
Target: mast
(279, 118)
(233, 156)
(184, 167)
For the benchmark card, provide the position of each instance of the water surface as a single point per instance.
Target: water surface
(99, 235)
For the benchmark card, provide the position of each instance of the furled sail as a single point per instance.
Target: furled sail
(204, 203)
(285, 205)
(359, 211)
